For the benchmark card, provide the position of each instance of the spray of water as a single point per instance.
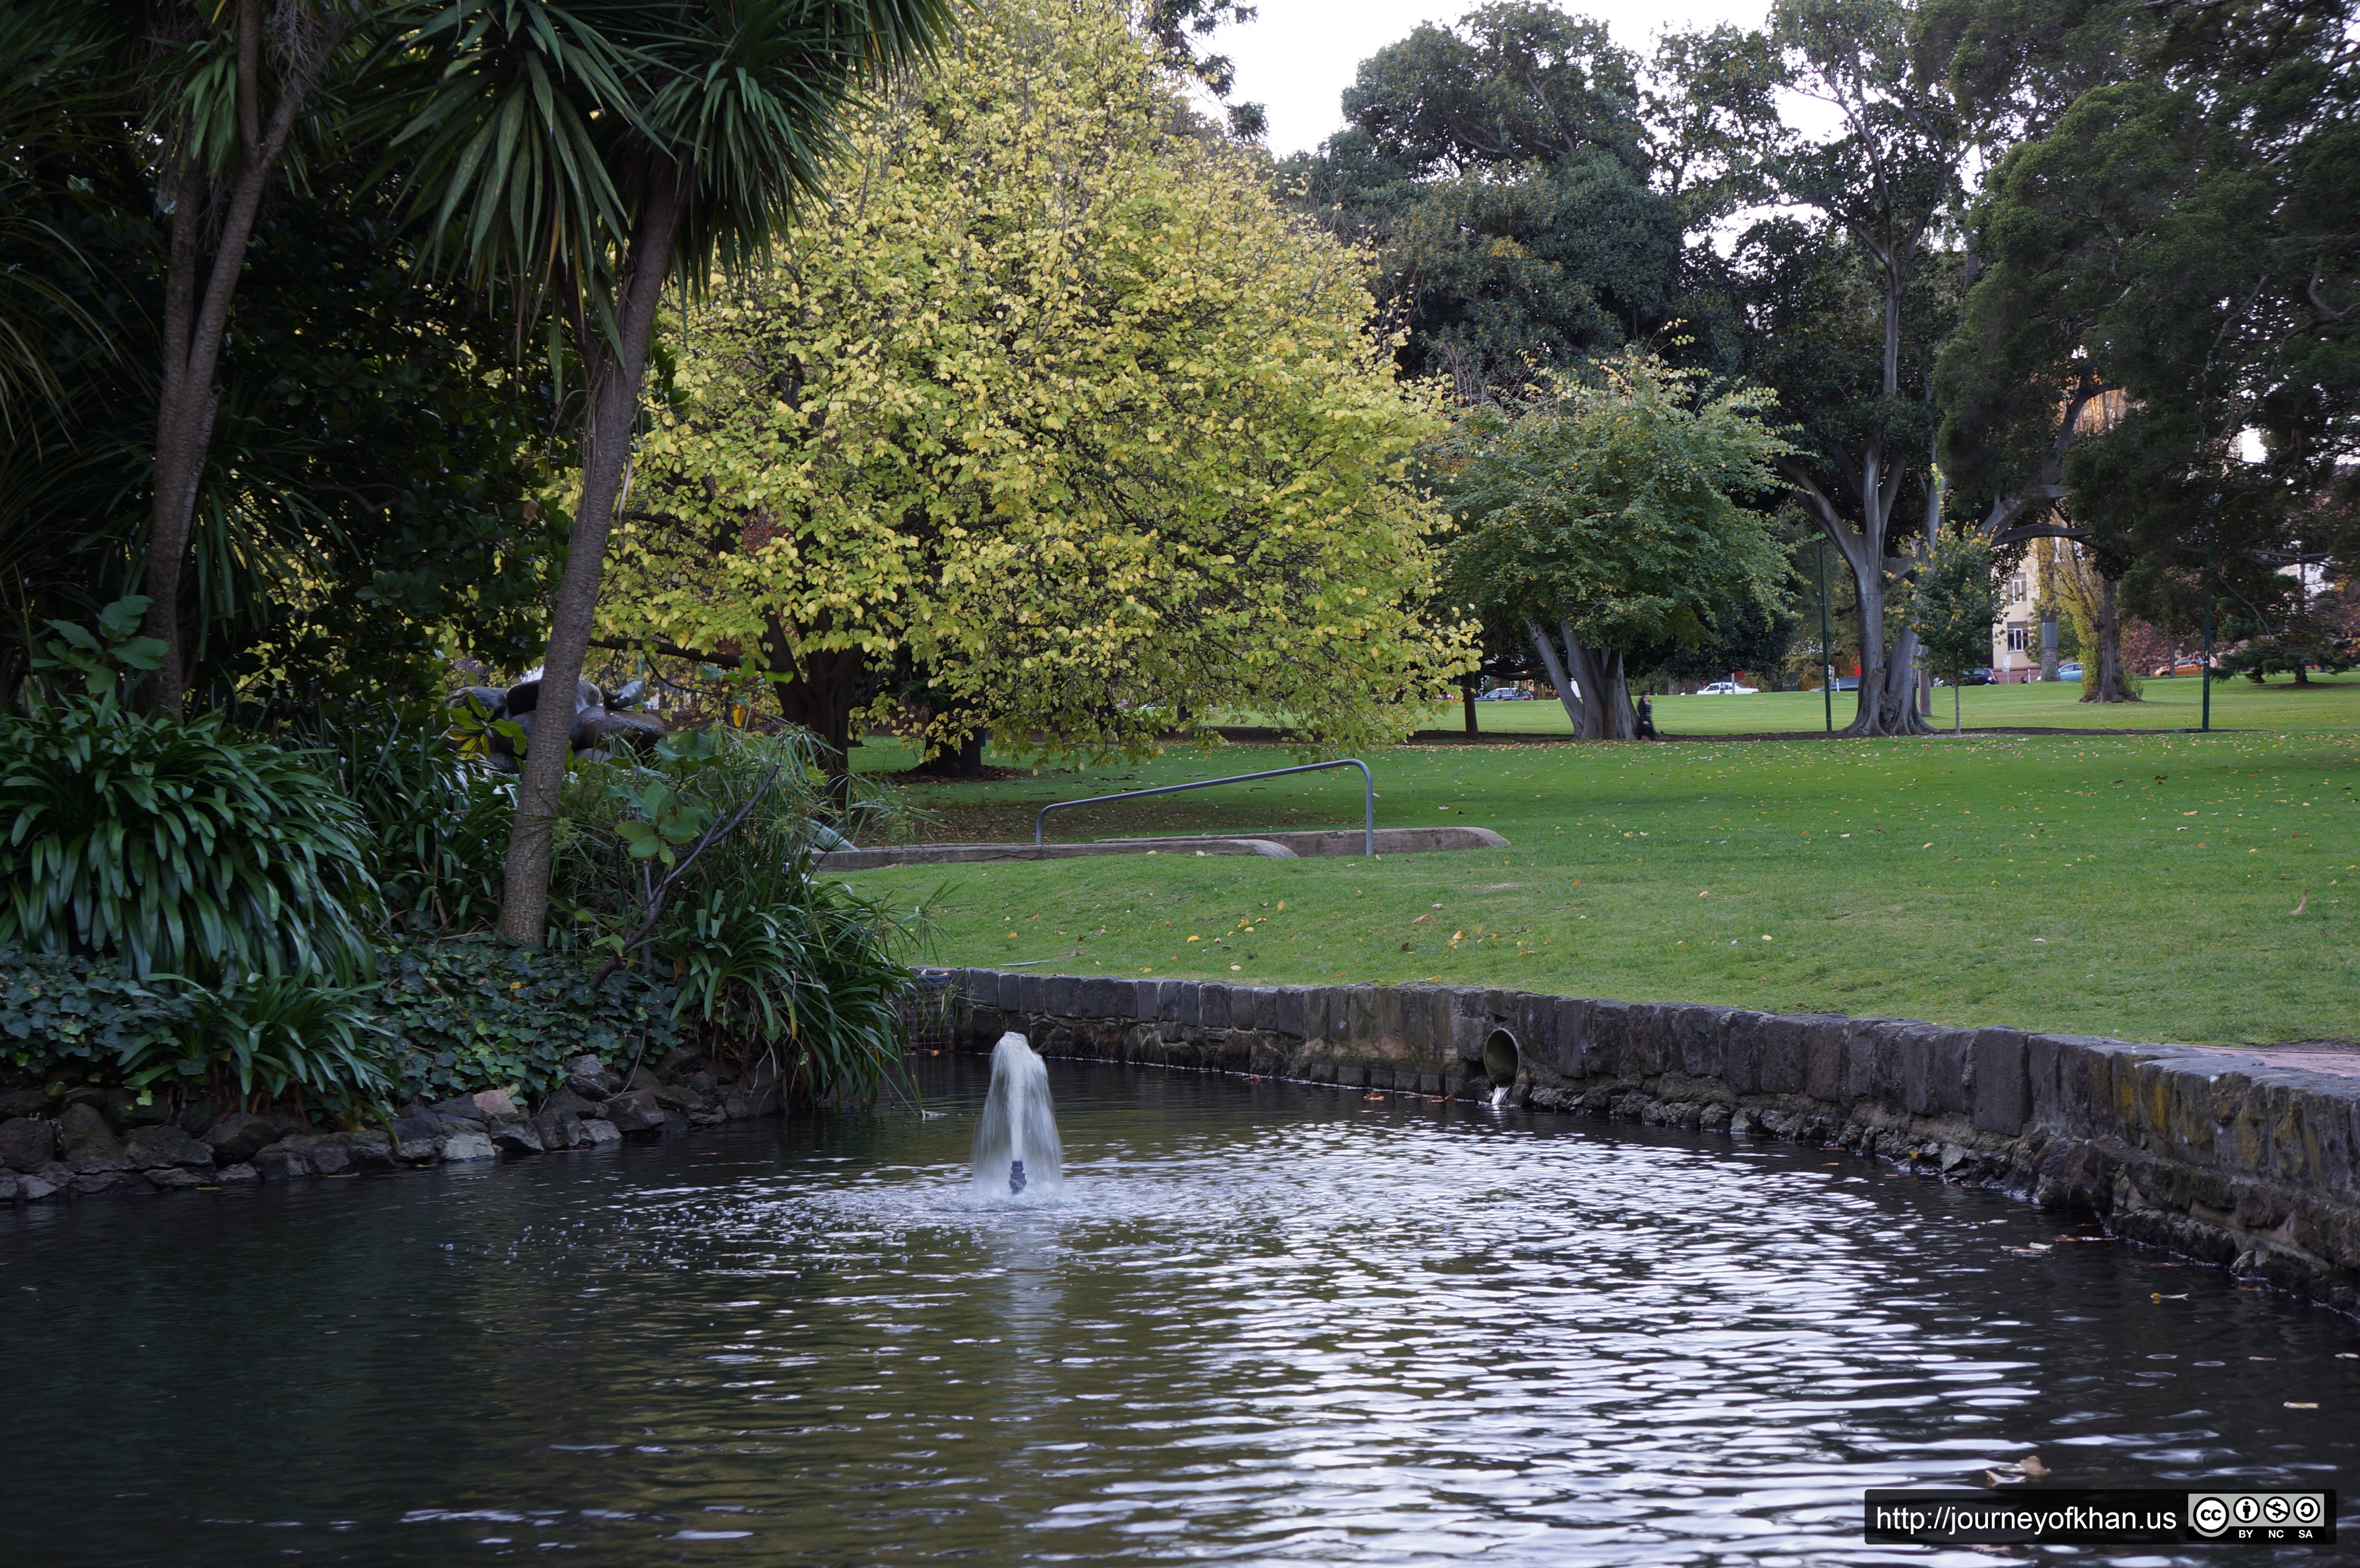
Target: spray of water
(1016, 1148)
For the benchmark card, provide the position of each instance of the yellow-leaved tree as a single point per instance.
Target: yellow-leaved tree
(1049, 412)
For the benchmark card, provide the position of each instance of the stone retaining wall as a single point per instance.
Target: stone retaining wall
(2252, 1168)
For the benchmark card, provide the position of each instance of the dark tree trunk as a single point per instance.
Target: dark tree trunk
(963, 760)
(2110, 686)
(196, 321)
(613, 374)
(1467, 700)
(819, 692)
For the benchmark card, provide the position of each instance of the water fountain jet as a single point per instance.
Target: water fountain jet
(1016, 1148)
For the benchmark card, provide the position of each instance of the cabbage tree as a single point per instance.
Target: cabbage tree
(583, 157)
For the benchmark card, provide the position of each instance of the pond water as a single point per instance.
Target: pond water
(1263, 1323)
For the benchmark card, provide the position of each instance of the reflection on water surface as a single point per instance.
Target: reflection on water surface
(1263, 1323)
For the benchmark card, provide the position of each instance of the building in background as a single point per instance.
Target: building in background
(2015, 636)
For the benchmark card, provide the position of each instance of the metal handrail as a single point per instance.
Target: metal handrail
(1368, 797)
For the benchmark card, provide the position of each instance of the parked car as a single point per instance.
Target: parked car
(1504, 694)
(1847, 682)
(2069, 671)
(1727, 689)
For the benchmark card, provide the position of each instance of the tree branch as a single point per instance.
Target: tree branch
(711, 837)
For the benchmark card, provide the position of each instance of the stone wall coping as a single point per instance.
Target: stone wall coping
(2189, 1147)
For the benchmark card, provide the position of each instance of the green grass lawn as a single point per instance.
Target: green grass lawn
(2175, 703)
(2140, 886)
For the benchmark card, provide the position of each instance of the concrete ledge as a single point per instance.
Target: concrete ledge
(1273, 846)
(2239, 1163)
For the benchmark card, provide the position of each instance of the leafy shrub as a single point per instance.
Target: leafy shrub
(437, 820)
(176, 846)
(69, 1013)
(445, 1017)
(269, 1033)
(693, 861)
(73, 1018)
(2300, 645)
(473, 1013)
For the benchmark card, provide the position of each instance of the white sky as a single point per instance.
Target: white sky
(1297, 56)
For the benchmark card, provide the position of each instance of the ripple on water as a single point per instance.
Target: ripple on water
(1260, 1324)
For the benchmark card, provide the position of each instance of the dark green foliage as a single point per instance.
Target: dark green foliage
(444, 1017)
(1511, 84)
(1504, 278)
(1502, 170)
(1955, 604)
(70, 1018)
(2178, 232)
(473, 1012)
(391, 438)
(437, 819)
(269, 1033)
(176, 848)
(2300, 645)
(1751, 635)
(380, 444)
(770, 959)
(71, 1013)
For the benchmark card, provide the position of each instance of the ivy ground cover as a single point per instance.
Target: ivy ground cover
(2140, 886)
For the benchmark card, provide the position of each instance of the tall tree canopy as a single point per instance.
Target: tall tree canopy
(377, 435)
(1050, 399)
(1604, 520)
(1501, 167)
(2181, 242)
(1843, 294)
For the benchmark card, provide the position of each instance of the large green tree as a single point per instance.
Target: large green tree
(1047, 402)
(1502, 170)
(2175, 250)
(1844, 296)
(1607, 516)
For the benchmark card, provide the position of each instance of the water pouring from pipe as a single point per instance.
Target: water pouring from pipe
(1501, 1061)
(1016, 1148)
